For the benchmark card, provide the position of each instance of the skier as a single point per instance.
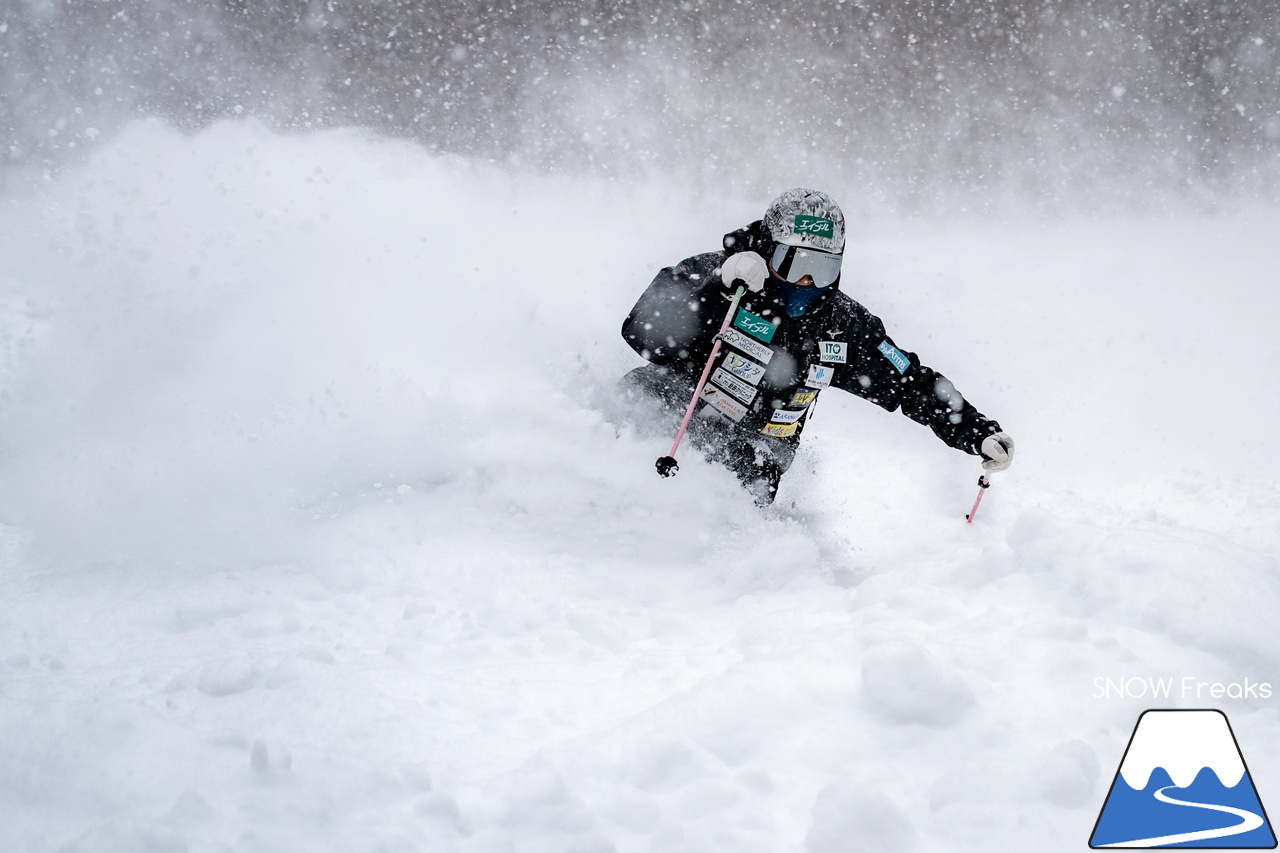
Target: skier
(794, 334)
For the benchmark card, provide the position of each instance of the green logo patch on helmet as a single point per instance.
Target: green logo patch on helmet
(803, 217)
(815, 225)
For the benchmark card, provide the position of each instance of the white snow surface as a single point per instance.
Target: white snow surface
(1183, 742)
(324, 530)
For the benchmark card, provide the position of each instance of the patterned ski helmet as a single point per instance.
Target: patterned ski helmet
(809, 218)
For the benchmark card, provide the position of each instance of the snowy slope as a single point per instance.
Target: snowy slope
(323, 530)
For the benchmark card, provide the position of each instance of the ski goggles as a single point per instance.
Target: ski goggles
(793, 263)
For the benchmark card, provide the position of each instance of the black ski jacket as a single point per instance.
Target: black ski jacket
(772, 366)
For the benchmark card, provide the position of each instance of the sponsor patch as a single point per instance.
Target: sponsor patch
(735, 386)
(757, 327)
(895, 356)
(743, 368)
(819, 376)
(779, 430)
(734, 338)
(815, 225)
(803, 397)
(723, 403)
(786, 416)
(833, 351)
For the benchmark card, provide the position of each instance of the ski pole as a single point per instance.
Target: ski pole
(983, 484)
(667, 465)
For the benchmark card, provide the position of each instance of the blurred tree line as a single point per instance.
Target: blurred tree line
(912, 100)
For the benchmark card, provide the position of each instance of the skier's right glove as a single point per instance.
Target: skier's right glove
(745, 269)
(997, 451)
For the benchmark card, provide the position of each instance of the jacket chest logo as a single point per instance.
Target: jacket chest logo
(819, 376)
(734, 338)
(757, 327)
(834, 352)
(743, 368)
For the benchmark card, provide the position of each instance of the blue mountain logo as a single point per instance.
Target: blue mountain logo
(1183, 783)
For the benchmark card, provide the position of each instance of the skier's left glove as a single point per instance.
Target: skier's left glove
(997, 451)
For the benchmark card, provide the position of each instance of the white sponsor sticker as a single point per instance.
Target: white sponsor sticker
(786, 416)
(735, 386)
(819, 376)
(743, 368)
(833, 351)
(749, 345)
(723, 403)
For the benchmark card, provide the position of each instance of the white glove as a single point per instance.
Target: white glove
(997, 451)
(745, 267)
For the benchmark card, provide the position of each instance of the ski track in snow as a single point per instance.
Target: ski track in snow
(323, 530)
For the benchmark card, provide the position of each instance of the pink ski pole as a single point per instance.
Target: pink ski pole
(983, 484)
(667, 465)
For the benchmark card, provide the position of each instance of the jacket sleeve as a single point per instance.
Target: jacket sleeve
(675, 321)
(894, 378)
